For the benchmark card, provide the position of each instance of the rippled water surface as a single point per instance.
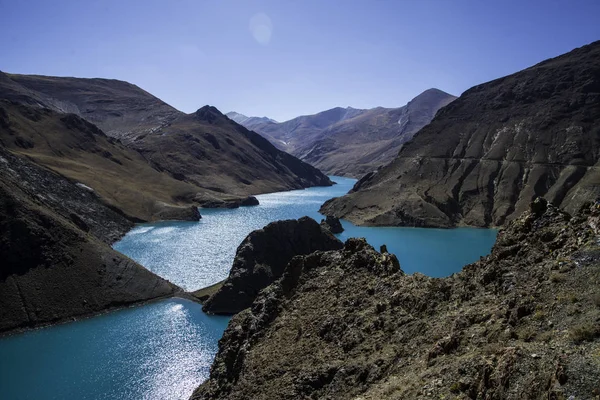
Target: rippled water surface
(196, 254)
(163, 350)
(159, 351)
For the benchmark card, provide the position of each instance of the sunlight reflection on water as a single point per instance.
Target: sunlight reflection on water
(197, 254)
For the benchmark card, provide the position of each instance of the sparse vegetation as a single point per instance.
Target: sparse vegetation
(497, 343)
(545, 336)
(596, 299)
(583, 333)
(539, 315)
(527, 333)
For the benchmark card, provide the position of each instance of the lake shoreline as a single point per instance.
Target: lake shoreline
(195, 296)
(200, 255)
(68, 320)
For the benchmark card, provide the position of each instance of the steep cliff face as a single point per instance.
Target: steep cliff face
(261, 259)
(57, 262)
(204, 148)
(350, 141)
(486, 155)
(522, 323)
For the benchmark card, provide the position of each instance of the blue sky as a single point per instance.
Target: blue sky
(287, 58)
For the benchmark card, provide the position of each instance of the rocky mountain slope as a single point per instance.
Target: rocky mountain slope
(522, 323)
(120, 109)
(79, 150)
(203, 156)
(211, 151)
(485, 156)
(349, 141)
(261, 259)
(57, 262)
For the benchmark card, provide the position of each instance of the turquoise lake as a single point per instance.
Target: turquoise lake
(163, 350)
(194, 255)
(159, 351)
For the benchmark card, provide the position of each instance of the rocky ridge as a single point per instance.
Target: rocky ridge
(522, 323)
(261, 259)
(488, 154)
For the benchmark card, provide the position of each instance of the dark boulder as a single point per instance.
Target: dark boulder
(218, 203)
(165, 211)
(235, 202)
(332, 224)
(249, 201)
(262, 257)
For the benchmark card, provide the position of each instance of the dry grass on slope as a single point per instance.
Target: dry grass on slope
(78, 150)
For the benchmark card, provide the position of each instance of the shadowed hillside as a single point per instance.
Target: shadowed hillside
(57, 262)
(138, 152)
(485, 156)
(79, 150)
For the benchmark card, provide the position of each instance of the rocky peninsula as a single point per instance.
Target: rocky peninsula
(522, 323)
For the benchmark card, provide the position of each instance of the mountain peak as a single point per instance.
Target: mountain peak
(243, 119)
(434, 92)
(208, 113)
(431, 98)
(233, 114)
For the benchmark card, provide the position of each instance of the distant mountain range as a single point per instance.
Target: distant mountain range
(250, 121)
(349, 141)
(487, 155)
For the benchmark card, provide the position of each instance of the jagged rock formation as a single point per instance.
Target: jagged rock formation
(261, 258)
(349, 141)
(57, 262)
(522, 323)
(485, 156)
(203, 154)
(332, 224)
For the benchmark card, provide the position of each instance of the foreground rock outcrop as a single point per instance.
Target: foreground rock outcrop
(57, 262)
(332, 224)
(522, 323)
(488, 154)
(261, 259)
